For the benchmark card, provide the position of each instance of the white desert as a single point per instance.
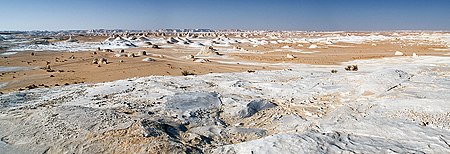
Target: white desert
(226, 92)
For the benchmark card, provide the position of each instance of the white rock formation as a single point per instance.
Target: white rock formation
(398, 53)
(302, 110)
(148, 59)
(290, 56)
(313, 46)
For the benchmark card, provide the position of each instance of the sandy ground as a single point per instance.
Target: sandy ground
(337, 53)
(77, 67)
(80, 69)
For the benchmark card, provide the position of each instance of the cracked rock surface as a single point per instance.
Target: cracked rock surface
(392, 105)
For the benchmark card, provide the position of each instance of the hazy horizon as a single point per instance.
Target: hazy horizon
(324, 15)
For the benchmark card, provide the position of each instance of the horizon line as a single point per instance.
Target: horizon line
(242, 30)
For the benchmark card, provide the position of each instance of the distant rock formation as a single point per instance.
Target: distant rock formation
(148, 59)
(398, 53)
(290, 56)
(207, 51)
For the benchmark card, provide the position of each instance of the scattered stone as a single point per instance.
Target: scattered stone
(50, 70)
(414, 55)
(422, 123)
(32, 53)
(131, 55)
(104, 61)
(154, 46)
(142, 53)
(122, 51)
(202, 60)
(31, 86)
(148, 59)
(95, 61)
(107, 50)
(190, 57)
(52, 76)
(120, 61)
(95, 52)
(119, 55)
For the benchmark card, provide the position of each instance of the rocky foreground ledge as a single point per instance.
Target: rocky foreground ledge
(392, 105)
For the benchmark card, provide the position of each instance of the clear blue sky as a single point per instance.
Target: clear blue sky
(226, 14)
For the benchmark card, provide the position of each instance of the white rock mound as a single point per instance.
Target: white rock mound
(398, 53)
(148, 59)
(290, 56)
(313, 46)
(208, 51)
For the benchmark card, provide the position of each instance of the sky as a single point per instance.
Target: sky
(302, 15)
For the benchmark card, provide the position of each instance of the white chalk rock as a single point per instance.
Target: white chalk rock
(119, 55)
(398, 53)
(290, 56)
(207, 50)
(131, 55)
(148, 59)
(313, 46)
(94, 61)
(104, 61)
(190, 57)
(202, 60)
(286, 47)
(414, 55)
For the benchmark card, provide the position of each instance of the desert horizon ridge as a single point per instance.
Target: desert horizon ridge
(272, 47)
(205, 91)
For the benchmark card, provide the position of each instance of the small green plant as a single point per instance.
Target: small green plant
(186, 73)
